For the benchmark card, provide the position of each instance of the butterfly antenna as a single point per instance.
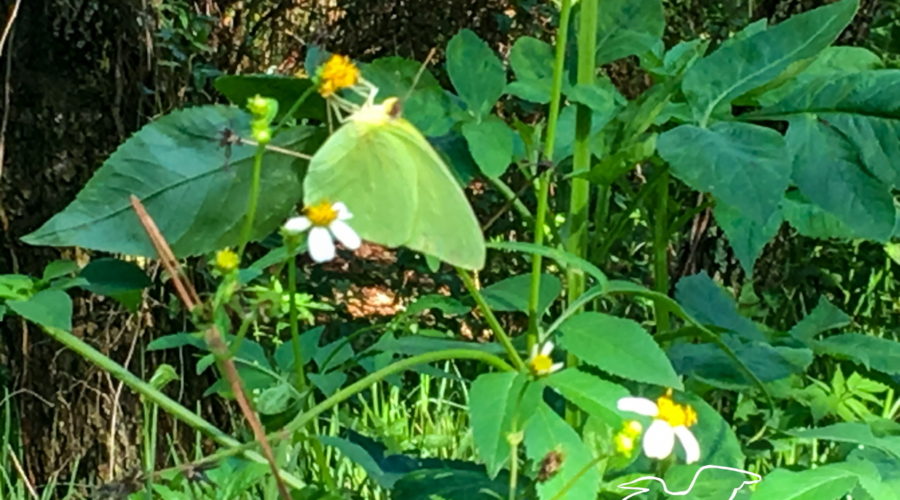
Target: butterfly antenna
(424, 65)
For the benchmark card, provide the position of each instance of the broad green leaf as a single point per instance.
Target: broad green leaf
(309, 347)
(284, 89)
(449, 484)
(875, 353)
(491, 144)
(547, 432)
(51, 308)
(751, 62)
(193, 186)
(447, 305)
(848, 432)
(710, 484)
(532, 62)
(418, 344)
(743, 165)
(426, 105)
(707, 362)
(718, 443)
(811, 220)
(825, 316)
(499, 404)
(475, 71)
(626, 27)
(512, 293)
(15, 286)
(828, 175)
(275, 399)
(618, 346)
(746, 236)
(863, 107)
(176, 340)
(592, 394)
(834, 61)
(116, 278)
(552, 253)
(823, 483)
(708, 303)
(59, 268)
(329, 382)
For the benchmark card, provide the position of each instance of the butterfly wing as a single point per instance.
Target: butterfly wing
(366, 169)
(444, 225)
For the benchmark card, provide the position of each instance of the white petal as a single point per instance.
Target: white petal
(659, 440)
(343, 213)
(688, 442)
(321, 247)
(534, 351)
(547, 348)
(345, 234)
(556, 367)
(296, 225)
(641, 406)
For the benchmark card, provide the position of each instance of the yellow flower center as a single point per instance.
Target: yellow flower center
(226, 260)
(675, 414)
(321, 214)
(541, 363)
(337, 73)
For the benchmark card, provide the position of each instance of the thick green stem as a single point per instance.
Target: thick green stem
(492, 320)
(171, 406)
(253, 199)
(300, 382)
(543, 188)
(360, 385)
(661, 252)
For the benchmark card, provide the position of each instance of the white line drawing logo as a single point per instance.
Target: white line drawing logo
(641, 489)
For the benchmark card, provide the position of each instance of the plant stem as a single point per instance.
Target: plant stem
(661, 252)
(252, 201)
(300, 383)
(293, 109)
(543, 189)
(491, 320)
(360, 385)
(171, 406)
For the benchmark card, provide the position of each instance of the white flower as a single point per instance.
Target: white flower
(324, 220)
(540, 361)
(670, 420)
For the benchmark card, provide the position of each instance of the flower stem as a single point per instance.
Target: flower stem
(293, 109)
(252, 201)
(300, 382)
(492, 321)
(543, 187)
(661, 252)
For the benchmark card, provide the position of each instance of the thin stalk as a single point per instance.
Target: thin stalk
(360, 385)
(300, 383)
(543, 187)
(491, 320)
(168, 404)
(661, 252)
(253, 200)
(293, 109)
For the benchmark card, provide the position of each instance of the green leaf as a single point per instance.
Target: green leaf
(743, 165)
(512, 293)
(449, 484)
(177, 340)
(426, 104)
(15, 286)
(848, 432)
(498, 403)
(707, 362)
(618, 346)
(194, 187)
(751, 62)
(284, 89)
(718, 443)
(116, 278)
(746, 236)
(163, 375)
(532, 62)
(417, 344)
(823, 317)
(59, 268)
(592, 394)
(626, 27)
(552, 253)
(491, 144)
(276, 399)
(709, 304)
(711, 484)
(874, 353)
(811, 220)
(475, 71)
(826, 172)
(51, 308)
(546, 432)
(823, 483)
(447, 305)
